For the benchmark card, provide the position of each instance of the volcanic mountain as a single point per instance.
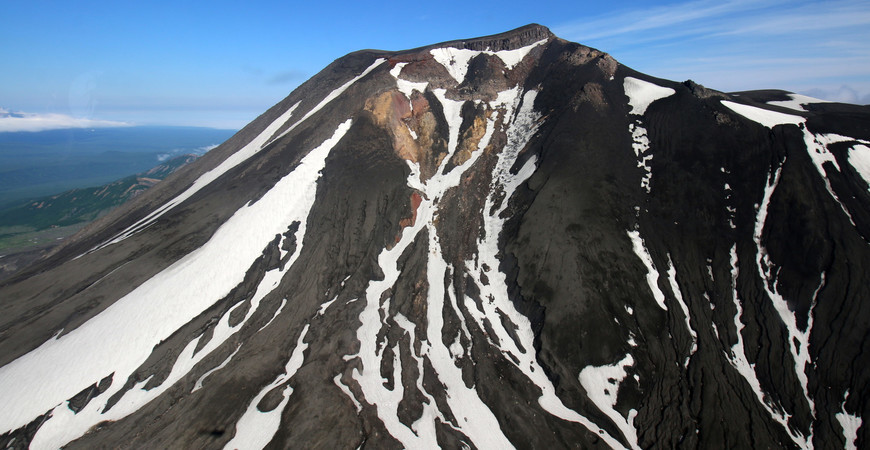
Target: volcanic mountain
(508, 241)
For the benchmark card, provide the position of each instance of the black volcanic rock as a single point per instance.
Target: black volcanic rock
(505, 241)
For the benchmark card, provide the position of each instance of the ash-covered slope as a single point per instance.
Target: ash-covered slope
(510, 241)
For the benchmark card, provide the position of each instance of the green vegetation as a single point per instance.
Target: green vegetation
(43, 220)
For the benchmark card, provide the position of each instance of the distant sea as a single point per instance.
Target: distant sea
(34, 164)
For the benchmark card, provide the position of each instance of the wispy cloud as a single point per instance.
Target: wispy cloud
(19, 121)
(798, 45)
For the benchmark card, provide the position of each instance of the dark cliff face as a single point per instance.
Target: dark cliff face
(503, 241)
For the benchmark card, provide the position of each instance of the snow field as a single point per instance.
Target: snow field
(859, 158)
(797, 101)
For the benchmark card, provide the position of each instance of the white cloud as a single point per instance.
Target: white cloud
(18, 121)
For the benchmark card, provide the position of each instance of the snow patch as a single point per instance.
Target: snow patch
(347, 392)
(859, 158)
(738, 360)
(798, 341)
(477, 420)
(456, 60)
(764, 117)
(642, 93)
(640, 145)
(850, 424)
(602, 387)
(797, 101)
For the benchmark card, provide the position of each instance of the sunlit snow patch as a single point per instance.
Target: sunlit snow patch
(797, 102)
(764, 117)
(859, 158)
(652, 275)
(642, 93)
(602, 386)
(456, 60)
(850, 423)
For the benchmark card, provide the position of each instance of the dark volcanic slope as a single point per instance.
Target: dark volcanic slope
(506, 241)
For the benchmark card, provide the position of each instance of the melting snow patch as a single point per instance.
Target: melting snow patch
(602, 386)
(797, 101)
(764, 117)
(642, 93)
(326, 305)
(456, 60)
(850, 423)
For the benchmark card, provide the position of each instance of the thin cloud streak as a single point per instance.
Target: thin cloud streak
(17, 121)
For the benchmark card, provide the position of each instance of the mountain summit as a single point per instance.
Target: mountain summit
(508, 241)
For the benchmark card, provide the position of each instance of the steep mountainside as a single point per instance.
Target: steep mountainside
(509, 241)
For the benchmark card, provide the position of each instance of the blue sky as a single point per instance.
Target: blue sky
(222, 63)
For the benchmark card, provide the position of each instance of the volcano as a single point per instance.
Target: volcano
(511, 241)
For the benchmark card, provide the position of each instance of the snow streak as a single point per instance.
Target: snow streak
(739, 361)
(652, 275)
(678, 294)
